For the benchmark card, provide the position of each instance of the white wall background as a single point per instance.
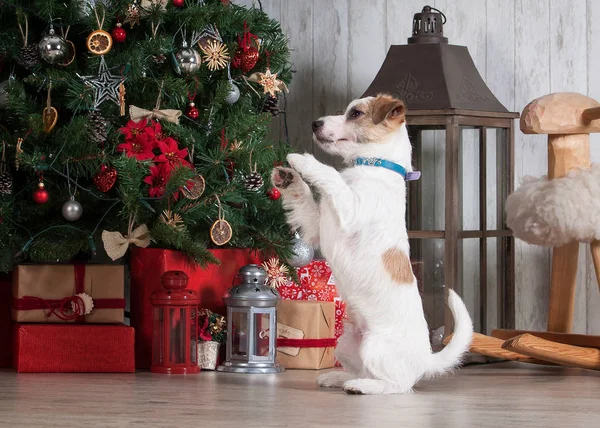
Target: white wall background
(522, 48)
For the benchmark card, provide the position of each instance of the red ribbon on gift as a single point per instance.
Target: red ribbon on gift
(307, 343)
(62, 308)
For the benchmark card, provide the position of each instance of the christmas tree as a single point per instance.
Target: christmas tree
(117, 115)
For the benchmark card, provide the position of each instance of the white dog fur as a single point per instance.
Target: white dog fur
(359, 225)
(556, 212)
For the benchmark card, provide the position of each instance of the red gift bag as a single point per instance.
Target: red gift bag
(211, 283)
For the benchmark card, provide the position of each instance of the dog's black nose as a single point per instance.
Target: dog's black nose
(317, 124)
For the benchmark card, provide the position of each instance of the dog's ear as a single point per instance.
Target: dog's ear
(387, 107)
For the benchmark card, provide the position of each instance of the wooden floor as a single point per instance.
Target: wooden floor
(493, 395)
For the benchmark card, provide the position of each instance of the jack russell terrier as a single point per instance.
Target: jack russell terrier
(359, 225)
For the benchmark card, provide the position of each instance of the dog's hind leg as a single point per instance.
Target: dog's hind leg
(302, 212)
(347, 353)
(384, 371)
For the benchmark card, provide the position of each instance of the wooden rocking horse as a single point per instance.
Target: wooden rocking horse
(568, 119)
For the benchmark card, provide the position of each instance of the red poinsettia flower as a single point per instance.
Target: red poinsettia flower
(157, 180)
(139, 147)
(154, 132)
(171, 155)
(133, 129)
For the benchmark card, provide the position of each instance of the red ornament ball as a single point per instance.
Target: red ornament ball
(274, 194)
(178, 3)
(40, 195)
(192, 111)
(119, 34)
(105, 178)
(245, 59)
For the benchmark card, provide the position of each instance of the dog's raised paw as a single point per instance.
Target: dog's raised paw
(333, 379)
(282, 177)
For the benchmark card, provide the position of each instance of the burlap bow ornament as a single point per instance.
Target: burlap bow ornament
(116, 245)
(170, 115)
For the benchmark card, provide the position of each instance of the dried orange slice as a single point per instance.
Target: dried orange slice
(194, 188)
(99, 42)
(70, 54)
(221, 232)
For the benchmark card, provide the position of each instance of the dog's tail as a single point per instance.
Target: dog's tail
(448, 358)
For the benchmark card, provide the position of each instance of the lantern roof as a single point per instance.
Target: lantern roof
(430, 74)
(253, 290)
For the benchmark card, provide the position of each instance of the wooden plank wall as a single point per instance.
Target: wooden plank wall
(522, 48)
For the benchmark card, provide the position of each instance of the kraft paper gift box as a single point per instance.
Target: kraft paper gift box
(306, 334)
(45, 293)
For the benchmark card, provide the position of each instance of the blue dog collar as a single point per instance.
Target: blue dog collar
(408, 176)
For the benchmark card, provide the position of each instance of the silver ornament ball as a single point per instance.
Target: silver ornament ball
(234, 94)
(303, 253)
(72, 210)
(187, 61)
(53, 48)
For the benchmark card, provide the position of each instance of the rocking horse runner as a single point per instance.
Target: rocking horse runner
(558, 211)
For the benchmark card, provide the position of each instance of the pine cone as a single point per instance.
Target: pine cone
(98, 127)
(271, 105)
(6, 183)
(30, 56)
(254, 182)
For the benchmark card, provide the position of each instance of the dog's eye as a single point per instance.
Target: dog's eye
(354, 114)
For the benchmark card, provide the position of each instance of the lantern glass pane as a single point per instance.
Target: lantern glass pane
(178, 335)
(262, 322)
(468, 177)
(426, 196)
(493, 246)
(239, 340)
(469, 278)
(427, 259)
(158, 332)
(193, 336)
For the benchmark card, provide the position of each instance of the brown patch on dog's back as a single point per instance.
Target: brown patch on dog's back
(397, 264)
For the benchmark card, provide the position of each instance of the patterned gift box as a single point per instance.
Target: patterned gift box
(82, 348)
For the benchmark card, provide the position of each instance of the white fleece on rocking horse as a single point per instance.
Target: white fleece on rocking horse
(556, 212)
(359, 225)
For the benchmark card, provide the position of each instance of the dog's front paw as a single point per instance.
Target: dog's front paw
(282, 177)
(300, 161)
(333, 379)
(371, 386)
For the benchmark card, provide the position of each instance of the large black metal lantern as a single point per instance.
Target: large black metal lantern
(462, 139)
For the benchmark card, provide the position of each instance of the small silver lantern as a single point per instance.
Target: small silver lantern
(251, 324)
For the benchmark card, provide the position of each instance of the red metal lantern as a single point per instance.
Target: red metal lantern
(175, 326)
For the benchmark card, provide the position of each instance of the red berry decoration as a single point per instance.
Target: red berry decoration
(192, 111)
(119, 34)
(274, 194)
(178, 3)
(40, 195)
(106, 178)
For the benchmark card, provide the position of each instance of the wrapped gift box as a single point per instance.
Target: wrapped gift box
(5, 322)
(305, 334)
(44, 293)
(58, 348)
(211, 283)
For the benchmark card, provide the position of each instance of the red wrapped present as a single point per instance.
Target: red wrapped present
(147, 267)
(5, 322)
(62, 348)
(65, 293)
